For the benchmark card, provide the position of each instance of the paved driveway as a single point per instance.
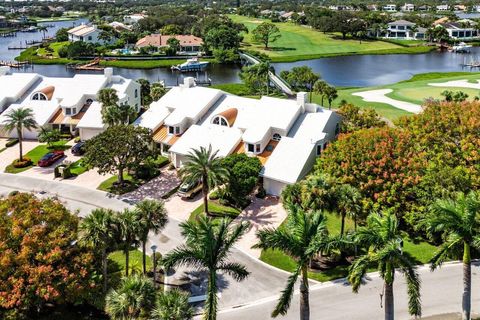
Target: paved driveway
(12, 153)
(261, 213)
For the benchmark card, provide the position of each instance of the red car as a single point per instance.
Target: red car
(50, 158)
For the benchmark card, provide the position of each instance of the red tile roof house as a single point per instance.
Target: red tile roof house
(188, 44)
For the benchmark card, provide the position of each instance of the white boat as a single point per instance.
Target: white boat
(461, 47)
(192, 64)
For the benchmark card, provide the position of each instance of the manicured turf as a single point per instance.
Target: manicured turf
(238, 89)
(215, 209)
(77, 168)
(36, 154)
(421, 251)
(301, 43)
(414, 90)
(117, 258)
(32, 55)
(109, 184)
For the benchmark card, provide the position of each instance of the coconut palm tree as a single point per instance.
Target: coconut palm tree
(382, 241)
(19, 119)
(347, 203)
(134, 299)
(208, 245)
(128, 224)
(108, 97)
(153, 217)
(172, 305)
(43, 29)
(157, 91)
(204, 165)
(97, 230)
(303, 236)
(458, 223)
(319, 88)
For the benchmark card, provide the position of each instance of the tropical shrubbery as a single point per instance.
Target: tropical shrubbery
(427, 156)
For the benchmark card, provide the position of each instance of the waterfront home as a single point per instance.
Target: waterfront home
(188, 44)
(403, 29)
(390, 8)
(443, 7)
(85, 33)
(461, 30)
(120, 27)
(67, 104)
(286, 135)
(408, 7)
(134, 18)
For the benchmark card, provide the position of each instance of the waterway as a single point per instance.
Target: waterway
(345, 71)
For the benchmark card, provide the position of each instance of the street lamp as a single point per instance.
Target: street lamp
(154, 249)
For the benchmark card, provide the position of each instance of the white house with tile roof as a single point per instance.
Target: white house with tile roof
(286, 135)
(67, 104)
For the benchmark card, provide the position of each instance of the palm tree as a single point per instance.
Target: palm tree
(208, 245)
(43, 29)
(172, 305)
(331, 94)
(204, 165)
(96, 230)
(108, 97)
(157, 91)
(303, 236)
(153, 217)
(128, 224)
(319, 88)
(49, 136)
(263, 72)
(347, 203)
(457, 220)
(134, 299)
(18, 119)
(382, 240)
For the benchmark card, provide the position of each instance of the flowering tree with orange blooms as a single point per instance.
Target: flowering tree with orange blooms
(405, 168)
(40, 262)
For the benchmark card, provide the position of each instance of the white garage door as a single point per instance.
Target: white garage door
(273, 187)
(86, 134)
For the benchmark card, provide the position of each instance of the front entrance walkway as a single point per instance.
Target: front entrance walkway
(261, 213)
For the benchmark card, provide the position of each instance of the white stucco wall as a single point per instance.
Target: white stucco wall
(87, 133)
(273, 187)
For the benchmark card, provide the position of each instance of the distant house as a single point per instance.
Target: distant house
(372, 7)
(443, 7)
(134, 18)
(461, 31)
(408, 7)
(476, 8)
(403, 29)
(424, 7)
(390, 8)
(188, 44)
(460, 7)
(118, 26)
(84, 33)
(440, 21)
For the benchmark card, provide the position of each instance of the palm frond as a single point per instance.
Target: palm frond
(285, 299)
(236, 270)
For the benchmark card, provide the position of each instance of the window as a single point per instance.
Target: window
(257, 148)
(89, 102)
(277, 137)
(177, 130)
(337, 129)
(218, 120)
(74, 111)
(136, 93)
(250, 147)
(171, 130)
(39, 96)
(68, 111)
(90, 38)
(325, 145)
(319, 149)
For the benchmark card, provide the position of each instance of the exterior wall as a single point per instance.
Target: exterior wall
(177, 159)
(89, 38)
(273, 187)
(88, 133)
(27, 135)
(134, 99)
(463, 33)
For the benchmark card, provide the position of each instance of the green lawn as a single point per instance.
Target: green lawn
(117, 260)
(414, 90)
(421, 251)
(77, 168)
(215, 209)
(37, 153)
(301, 43)
(38, 56)
(109, 184)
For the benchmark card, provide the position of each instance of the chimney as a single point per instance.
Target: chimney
(189, 82)
(108, 72)
(4, 70)
(302, 100)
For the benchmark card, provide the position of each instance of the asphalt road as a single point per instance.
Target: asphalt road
(256, 297)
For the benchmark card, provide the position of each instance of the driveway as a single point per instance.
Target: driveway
(10, 154)
(261, 213)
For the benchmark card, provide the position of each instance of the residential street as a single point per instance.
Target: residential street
(256, 297)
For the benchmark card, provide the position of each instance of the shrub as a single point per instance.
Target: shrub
(11, 142)
(214, 195)
(261, 193)
(25, 162)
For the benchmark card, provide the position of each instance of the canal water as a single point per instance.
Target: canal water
(346, 71)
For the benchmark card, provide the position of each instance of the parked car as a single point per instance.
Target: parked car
(189, 190)
(79, 148)
(50, 158)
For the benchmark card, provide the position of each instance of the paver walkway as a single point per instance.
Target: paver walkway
(261, 213)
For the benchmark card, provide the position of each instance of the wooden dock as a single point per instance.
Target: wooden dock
(8, 34)
(16, 65)
(90, 66)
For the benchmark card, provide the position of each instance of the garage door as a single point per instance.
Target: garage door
(273, 187)
(86, 134)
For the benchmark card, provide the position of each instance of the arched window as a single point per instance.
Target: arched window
(89, 102)
(277, 137)
(39, 96)
(219, 120)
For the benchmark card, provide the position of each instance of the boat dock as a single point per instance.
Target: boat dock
(8, 34)
(90, 66)
(17, 64)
